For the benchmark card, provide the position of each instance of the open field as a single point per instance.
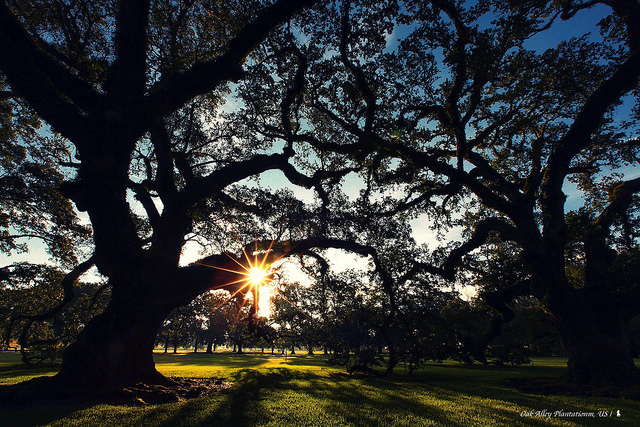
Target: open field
(302, 390)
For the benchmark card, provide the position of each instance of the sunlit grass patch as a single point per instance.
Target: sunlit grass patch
(12, 370)
(226, 364)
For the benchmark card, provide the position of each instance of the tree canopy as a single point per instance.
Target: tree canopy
(465, 114)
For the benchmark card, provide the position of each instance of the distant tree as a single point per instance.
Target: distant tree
(531, 330)
(423, 333)
(216, 315)
(174, 331)
(288, 311)
(267, 333)
(466, 324)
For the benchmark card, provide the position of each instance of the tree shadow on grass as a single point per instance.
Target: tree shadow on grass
(28, 412)
(287, 396)
(15, 411)
(337, 399)
(26, 416)
(235, 406)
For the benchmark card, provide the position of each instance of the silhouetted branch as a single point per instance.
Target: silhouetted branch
(53, 90)
(175, 89)
(68, 295)
(498, 300)
(483, 230)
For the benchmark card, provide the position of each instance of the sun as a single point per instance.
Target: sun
(252, 276)
(257, 276)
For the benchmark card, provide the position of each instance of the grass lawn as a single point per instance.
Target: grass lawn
(302, 390)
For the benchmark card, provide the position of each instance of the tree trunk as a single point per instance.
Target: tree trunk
(392, 361)
(595, 340)
(115, 349)
(588, 319)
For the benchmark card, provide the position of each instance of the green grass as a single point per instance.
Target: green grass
(303, 391)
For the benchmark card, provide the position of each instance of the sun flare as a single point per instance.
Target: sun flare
(257, 276)
(252, 276)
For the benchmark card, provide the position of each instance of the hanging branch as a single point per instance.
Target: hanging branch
(68, 296)
(498, 300)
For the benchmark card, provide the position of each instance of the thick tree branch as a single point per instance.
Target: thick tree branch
(578, 137)
(369, 141)
(621, 198)
(224, 271)
(598, 254)
(483, 229)
(361, 81)
(510, 190)
(498, 300)
(68, 295)
(423, 111)
(293, 92)
(458, 56)
(176, 89)
(629, 13)
(202, 188)
(126, 82)
(76, 89)
(457, 176)
(165, 179)
(316, 182)
(143, 196)
(57, 95)
(446, 190)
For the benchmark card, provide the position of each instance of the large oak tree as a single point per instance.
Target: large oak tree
(470, 107)
(128, 84)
